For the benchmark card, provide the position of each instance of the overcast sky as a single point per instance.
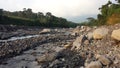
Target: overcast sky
(69, 9)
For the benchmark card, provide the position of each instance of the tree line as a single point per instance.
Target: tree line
(28, 18)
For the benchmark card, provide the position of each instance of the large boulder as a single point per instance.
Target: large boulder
(94, 64)
(100, 33)
(116, 34)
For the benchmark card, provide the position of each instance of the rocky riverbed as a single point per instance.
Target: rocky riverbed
(80, 47)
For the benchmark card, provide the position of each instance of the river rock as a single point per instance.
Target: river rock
(94, 64)
(83, 28)
(76, 31)
(69, 45)
(54, 63)
(116, 34)
(46, 57)
(86, 42)
(45, 31)
(103, 59)
(58, 49)
(90, 35)
(79, 40)
(68, 33)
(100, 33)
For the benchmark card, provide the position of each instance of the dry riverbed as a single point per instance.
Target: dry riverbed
(80, 47)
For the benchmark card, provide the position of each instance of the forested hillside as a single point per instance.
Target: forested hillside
(110, 13)
(28, 18)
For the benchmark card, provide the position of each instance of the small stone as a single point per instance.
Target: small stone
(87, 61)
(94, 64)
(46, 57)
(86, 42)
(69, 45)
(58, 49)
(103, 59)
(63, 59)
(74, 34)
(67, 33)
(82, 67)
(116, 61)
(54, 63)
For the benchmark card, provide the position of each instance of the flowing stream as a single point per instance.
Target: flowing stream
(17, 38)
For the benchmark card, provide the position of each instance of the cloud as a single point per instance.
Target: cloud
(61, 8)
(67, 8)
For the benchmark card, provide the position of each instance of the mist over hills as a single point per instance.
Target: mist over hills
(79, 19)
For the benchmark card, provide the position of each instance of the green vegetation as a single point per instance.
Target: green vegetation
(110, 14)
(29, 18)
(90, 22)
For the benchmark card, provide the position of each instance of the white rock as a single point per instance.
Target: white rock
(83, 28)
(94, 64)
(45, 31)
(100, 33)
(79, 40)
(82, 67)
(56, 30)
(74, 34)
(116, 34)
(90, 35)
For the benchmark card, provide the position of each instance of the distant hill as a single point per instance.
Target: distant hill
(29, 18)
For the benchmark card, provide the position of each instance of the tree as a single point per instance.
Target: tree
(48, 14)
(1, 11)
(92, 21)
(40, 14)
(29, 10)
